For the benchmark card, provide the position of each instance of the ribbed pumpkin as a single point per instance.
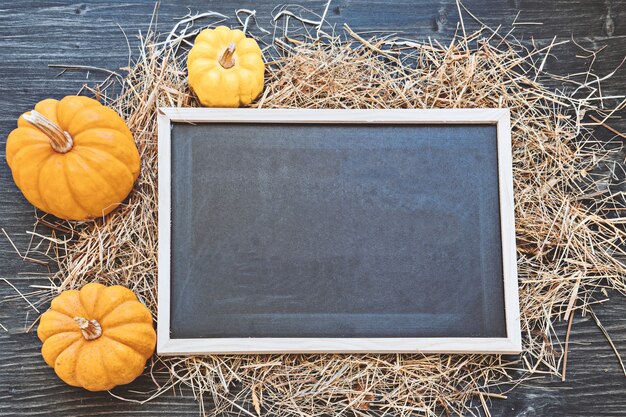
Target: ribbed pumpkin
(226, 69)
(74, 158)
(97, 337)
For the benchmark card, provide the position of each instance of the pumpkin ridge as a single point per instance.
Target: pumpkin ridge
(33, 130)
(75, 362)
(245, 87)
(93, 148)
(66, 315)
(210, 63)
(112, 310)
(91, 302)
(103, 364)
(82, 352)
(96, 173)
(83, 106)
(71, 303)
(17, 174)
(206, 48)
(66, 175)
(95, 129)
(118, 379)
(44, 332)
(68, 335)
(61, 312)
(101, 117)
(244, 62)
(42, 195)
(135, 329)
(24, 148)
(53, 182)
(112, 339)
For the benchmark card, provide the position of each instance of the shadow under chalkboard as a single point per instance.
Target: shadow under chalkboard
(335, 230)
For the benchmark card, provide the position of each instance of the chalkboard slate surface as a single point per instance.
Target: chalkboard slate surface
(335, 230)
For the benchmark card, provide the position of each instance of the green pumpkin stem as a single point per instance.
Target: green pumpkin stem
(91, 329)
(226, 60)
(60, 140)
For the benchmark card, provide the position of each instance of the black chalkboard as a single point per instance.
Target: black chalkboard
(335, 230)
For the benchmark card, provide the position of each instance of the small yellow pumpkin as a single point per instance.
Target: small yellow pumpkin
(97, 337)
(226, 69)
(74, 158)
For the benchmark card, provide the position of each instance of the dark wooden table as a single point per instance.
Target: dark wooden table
(34, 34)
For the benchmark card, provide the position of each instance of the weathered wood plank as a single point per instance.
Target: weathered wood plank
(34, 34)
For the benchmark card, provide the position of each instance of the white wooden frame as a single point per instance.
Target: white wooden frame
(500, 117)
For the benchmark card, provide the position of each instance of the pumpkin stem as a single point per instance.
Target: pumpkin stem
(227, 60)
(91, 329)
(60, 140)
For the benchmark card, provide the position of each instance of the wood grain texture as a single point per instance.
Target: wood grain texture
(34, 34)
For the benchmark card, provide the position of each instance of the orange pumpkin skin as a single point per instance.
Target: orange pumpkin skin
(89, 178)
(116, 356)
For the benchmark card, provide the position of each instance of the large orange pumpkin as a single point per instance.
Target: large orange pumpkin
(97, 337)
(74, 158)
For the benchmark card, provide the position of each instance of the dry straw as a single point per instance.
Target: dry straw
(569, 232)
